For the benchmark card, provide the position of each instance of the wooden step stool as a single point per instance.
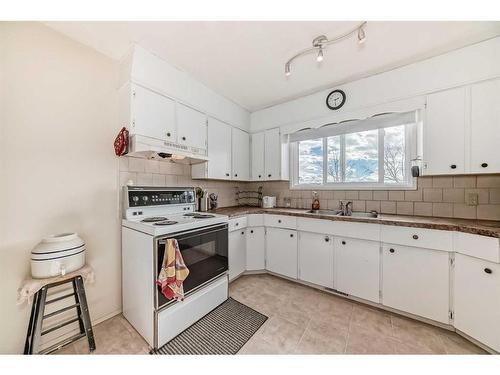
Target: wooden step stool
(37, 317)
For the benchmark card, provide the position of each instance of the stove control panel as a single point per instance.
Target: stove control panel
(145, 196)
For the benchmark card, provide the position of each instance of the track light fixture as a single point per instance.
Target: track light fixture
(321, 42)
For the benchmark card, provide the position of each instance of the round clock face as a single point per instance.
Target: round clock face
(335, 99)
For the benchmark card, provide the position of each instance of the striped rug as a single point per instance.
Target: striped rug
(222, 331)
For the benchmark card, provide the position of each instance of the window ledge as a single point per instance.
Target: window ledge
(352, 187)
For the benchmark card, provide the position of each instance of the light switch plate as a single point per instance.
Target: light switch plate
(472, 199)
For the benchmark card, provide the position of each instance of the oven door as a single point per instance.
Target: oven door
(204, 251)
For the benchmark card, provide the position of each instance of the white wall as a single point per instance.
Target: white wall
(58, 170)
(470, 64)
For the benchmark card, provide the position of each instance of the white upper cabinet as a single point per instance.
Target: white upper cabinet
(485, 127)
(357, 268)
(416, 280)
(258, 171)
(444, 133)
(316, 259)
(147, 113)
(240, 155)
(219, 152)
(191, 127)
(272, 154)
(477, 299)
(269, 156)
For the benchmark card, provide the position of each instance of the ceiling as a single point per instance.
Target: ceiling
(244, 61)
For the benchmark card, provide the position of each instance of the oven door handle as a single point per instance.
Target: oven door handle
(196, 232)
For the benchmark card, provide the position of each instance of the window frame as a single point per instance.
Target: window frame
(411, 132)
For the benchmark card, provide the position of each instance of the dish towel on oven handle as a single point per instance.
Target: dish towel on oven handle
(173, 272)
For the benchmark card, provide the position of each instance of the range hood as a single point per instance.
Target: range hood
(151, 148)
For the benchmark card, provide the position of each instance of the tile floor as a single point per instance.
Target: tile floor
(303, 320)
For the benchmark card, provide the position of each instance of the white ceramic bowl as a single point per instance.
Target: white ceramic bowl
(57, 255)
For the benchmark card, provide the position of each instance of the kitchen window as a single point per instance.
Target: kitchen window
(374, 153)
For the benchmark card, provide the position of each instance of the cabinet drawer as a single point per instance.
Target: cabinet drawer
(482, 247)
(419, 237)
(280, 221)
(237, 223)
(363, 231)
(255, 220)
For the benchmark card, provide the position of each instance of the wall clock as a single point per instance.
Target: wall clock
(336, 99)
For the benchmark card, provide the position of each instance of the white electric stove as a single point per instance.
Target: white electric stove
(151, 216)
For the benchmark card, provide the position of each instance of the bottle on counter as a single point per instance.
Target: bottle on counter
(315, 202)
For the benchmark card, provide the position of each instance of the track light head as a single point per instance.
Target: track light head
(361, 35)
(319, 58)
(287, 69)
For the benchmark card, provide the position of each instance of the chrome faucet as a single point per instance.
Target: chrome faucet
(346, 208)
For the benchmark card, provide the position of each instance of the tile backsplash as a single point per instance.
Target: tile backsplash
(162, 173)
(444, 196)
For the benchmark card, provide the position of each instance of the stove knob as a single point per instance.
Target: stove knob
(135, 198)
(145, 199)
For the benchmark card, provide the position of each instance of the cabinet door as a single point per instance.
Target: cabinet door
(477, 299)
(240, 155)
(416, 280)
(272, 151)
(316, 259)
(237, 253)
(281, 251)
(258, 154)
(256, 249)
(219, 150)
(357, 268)
(153, 115)
(444, 133)
(191, 127)
(485, 127)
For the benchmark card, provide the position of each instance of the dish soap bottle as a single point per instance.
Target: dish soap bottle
(315, 202)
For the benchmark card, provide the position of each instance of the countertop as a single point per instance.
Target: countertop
(481, 227)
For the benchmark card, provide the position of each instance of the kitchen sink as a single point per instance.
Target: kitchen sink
(324, 212)
(372, 214)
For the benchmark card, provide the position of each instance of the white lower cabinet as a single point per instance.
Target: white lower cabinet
(357, 268)
(416, 280)
(237, 253)
(316, 259)
(281, 251)
(477, 299)
(256, 249)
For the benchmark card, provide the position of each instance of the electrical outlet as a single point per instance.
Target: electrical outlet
(472, 199)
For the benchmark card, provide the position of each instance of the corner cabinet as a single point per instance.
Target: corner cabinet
(256, 249)
(281, 251)
(461, 130)
(228, 153)
(269, 156)
(219, 154)
(240, 155)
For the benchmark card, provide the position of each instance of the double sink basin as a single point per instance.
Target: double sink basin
(372, 214)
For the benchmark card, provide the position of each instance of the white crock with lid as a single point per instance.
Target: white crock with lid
(57, 254)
